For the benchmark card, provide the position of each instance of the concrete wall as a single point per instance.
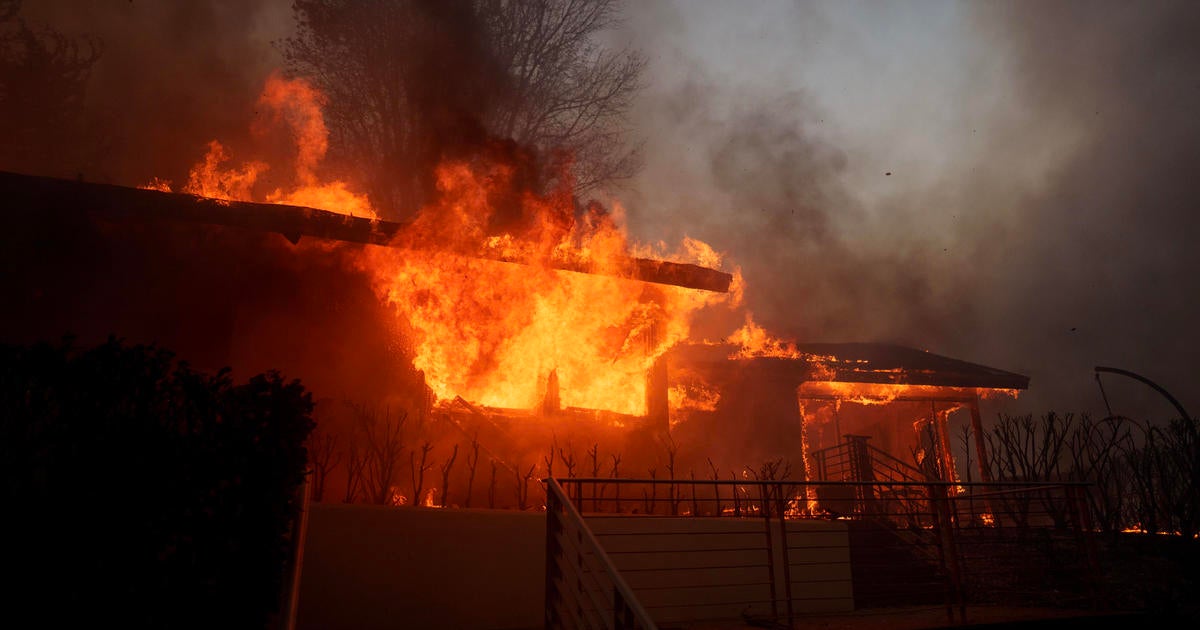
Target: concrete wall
(367, 567)
(688, 569)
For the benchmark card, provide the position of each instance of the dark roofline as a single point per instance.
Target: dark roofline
(876, 363)
(27, 193)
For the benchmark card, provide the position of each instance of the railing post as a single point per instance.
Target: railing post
(862, 471)
(783, 544)
(944, 522)
(553, 550)
(622, 617)
(1085, 538)
(766, 514)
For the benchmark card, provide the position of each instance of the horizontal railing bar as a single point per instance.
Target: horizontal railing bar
(682, 586)
(792, 482)
(701, 568)
(572, 516)
(698, 604)
(757, 532)
(596, 585)
(688, 551)
(817, 563)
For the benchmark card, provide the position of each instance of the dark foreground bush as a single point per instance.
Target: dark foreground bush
(140, 493)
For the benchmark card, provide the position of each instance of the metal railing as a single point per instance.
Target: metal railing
(888, 543)
(583, 588)
(856, 460)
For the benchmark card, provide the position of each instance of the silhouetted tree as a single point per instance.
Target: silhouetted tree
(385, 444)
(43, 80)
(410, 82)
(145, 494)
(324, 456)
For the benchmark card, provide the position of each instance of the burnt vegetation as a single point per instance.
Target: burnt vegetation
(1142, 496)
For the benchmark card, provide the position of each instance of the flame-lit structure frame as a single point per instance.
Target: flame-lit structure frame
(807, 374)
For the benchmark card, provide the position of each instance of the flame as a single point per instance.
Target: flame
(695, 396)
(492, 332)
(884, 393)
(295, 104)
(753, 341)
(489, 332)
(211, 179)
(155, 183)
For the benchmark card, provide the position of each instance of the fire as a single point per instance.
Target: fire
(493, 332)
(693, 396)
(753, 341)
(884, 393)
(509, 335)
(296, 104)
(486, 331)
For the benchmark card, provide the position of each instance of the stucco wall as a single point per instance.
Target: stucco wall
(367, 567)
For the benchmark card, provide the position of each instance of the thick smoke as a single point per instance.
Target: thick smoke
(1051, 231)
(171, 77)
(1097, 264)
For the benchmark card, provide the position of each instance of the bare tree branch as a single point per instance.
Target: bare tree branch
(410, 83)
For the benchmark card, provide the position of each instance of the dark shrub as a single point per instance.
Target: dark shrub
(139, 492)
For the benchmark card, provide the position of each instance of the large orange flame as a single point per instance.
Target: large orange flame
(493, 332)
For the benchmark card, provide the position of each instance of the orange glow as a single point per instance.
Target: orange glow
(492, 332)
(695, 396)
(296, 104)
(884, 393)
(753, 341)
(161, 185)
(211, 179)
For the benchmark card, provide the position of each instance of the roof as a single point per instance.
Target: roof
(855, 363)
(44, 195)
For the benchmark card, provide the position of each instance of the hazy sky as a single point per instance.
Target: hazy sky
(1040, 214)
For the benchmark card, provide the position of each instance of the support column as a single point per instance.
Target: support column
(941, 426)
(985, 471)
(658, 406)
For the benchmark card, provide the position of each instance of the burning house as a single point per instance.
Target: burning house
(517, 316)
(520, 373)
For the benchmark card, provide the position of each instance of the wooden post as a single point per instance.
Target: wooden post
(985, 471)
(658, 407)
(941, 426)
